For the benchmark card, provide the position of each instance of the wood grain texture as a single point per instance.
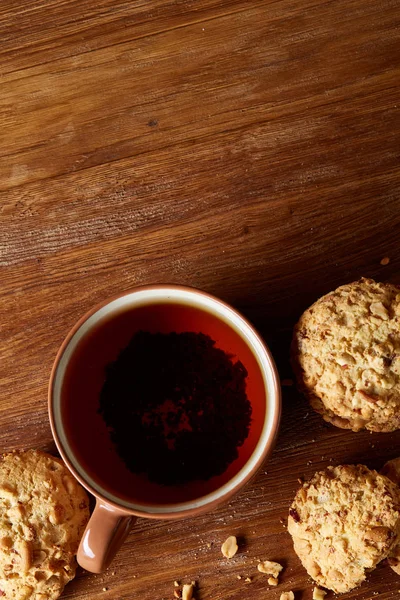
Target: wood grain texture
(249, 148)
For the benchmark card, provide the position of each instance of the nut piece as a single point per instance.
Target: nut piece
(287, 596)
(270, 568)
(229, 547)
(378, 534)
(7, 492)
(379, 310)
(26, 554)
(272, 581)
(187, 591)
(318, 594)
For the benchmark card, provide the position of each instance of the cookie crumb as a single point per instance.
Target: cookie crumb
(176, 594)
(287, 596)
(273, 581)
(385, 261)
(270, 568)
(187, 591)
(229, 547)
(248, 580)
(176, 584)
(238, 577)
(318, 594)
(105, 589)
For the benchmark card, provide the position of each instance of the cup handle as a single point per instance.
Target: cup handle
(104, 534)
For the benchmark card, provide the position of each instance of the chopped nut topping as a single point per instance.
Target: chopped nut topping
(187, 591)
(294, 514)
(287, 596)
(270, 568)
(272, 581)
(7, 491)
(26, 552)
(378, 534)
(69, 484)
(16, 512)
(57, 514)
(229, 547)
(26, 592)
(378, 309)
(6, 543)
(318, 594)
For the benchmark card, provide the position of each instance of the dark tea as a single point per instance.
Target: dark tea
(163, 403)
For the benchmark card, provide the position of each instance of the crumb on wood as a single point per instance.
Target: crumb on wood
(229, 547)
(287, 596)
(270, 567)
(385, 261)
(187, 591)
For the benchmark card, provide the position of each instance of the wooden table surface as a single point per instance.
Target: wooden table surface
(246, 147)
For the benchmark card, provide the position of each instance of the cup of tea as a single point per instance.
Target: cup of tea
(163, 401)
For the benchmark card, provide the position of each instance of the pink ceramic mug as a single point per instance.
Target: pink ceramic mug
(82, 437)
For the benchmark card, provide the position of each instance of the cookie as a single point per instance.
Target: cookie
(343, 522)
(43, 513)
(346, 356)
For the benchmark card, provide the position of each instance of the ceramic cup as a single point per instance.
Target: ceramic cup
(82, 437)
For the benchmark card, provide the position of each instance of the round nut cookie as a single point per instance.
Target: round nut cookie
(43, 513)
(343, 522)
(346, 356)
